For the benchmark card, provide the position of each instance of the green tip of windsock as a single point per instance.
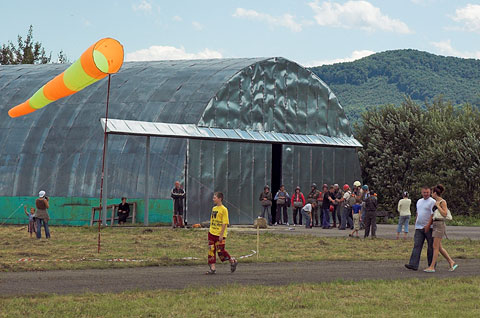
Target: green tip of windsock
(100, 61)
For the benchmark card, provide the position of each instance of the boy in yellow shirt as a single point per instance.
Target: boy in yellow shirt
(217, 235)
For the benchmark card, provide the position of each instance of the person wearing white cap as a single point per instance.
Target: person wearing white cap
(41, 215)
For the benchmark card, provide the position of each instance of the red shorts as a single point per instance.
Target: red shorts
(215, 246)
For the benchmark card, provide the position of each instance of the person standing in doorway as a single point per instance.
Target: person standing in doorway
(404, 212)
(266, 202)
(178, 196)
(217, 235)
(336, 214)
(422, 230)
(281, 199)
(314, 196)
(41, 216)
(328, 199)
(298, 202)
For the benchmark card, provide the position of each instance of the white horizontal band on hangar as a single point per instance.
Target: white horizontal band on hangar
(143, 128)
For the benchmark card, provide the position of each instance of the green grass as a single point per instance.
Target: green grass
(76, 248)
(453, 297)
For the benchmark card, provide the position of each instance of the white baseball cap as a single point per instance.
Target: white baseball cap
(41, 194)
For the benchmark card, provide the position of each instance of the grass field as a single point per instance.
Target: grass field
(398, 298)
(76, 248)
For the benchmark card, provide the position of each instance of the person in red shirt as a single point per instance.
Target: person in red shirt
(298, 202)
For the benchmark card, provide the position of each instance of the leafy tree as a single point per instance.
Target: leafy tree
(24, 52)
(62, 57)
(409, 146)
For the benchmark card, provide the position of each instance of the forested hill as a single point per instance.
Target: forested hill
(387, 77)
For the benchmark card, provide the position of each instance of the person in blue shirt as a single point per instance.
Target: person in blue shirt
(357, 216)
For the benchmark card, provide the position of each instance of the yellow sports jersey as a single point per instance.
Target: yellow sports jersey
(219, 216)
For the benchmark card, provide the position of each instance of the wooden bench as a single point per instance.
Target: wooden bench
(114, 217)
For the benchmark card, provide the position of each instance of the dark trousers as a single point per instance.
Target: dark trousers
(326, 217)
(178, 207)
(315, 215)
(278, 216)
(336, 214)
(346, 220)
(299, 212)
(370, 222)
(39, 228)
(419, 240)
(266, 210)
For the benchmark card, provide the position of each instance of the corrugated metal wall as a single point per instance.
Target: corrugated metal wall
(302, 166)
(239, 170)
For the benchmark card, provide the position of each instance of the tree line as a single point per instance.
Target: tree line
(27, 51)
(408, 146)
(388, 77)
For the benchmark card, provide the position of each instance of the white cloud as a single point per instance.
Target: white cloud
(143, 5)
(446, 48)
(177, 18)
(286, 20)
(469, 16)
(198, 26)
(158, 52)
(356, 55)
(422, 2)
(356, 14)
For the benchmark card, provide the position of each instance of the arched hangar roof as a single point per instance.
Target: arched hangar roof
(59, 147)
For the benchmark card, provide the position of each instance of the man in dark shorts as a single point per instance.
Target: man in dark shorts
(178, 196)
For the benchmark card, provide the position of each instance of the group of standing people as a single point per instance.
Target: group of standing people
(328, 207)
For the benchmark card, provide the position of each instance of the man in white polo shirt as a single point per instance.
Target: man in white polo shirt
(422, 230)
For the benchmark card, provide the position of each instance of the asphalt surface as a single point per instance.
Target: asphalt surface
(177, 277)
(386, 231)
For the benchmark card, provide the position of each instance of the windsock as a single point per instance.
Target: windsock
(102, 58)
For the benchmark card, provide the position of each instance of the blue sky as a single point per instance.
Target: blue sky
(310, 32)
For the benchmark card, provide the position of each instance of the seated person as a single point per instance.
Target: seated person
(123, 211)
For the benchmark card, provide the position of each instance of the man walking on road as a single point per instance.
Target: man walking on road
(422, 230)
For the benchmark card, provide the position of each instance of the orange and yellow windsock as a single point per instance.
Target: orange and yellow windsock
(102, 58)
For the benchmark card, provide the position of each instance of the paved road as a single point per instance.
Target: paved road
(176, 277)
(383, 230)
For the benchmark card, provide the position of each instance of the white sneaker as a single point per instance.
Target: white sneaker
(288, 224)
(294, 225)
